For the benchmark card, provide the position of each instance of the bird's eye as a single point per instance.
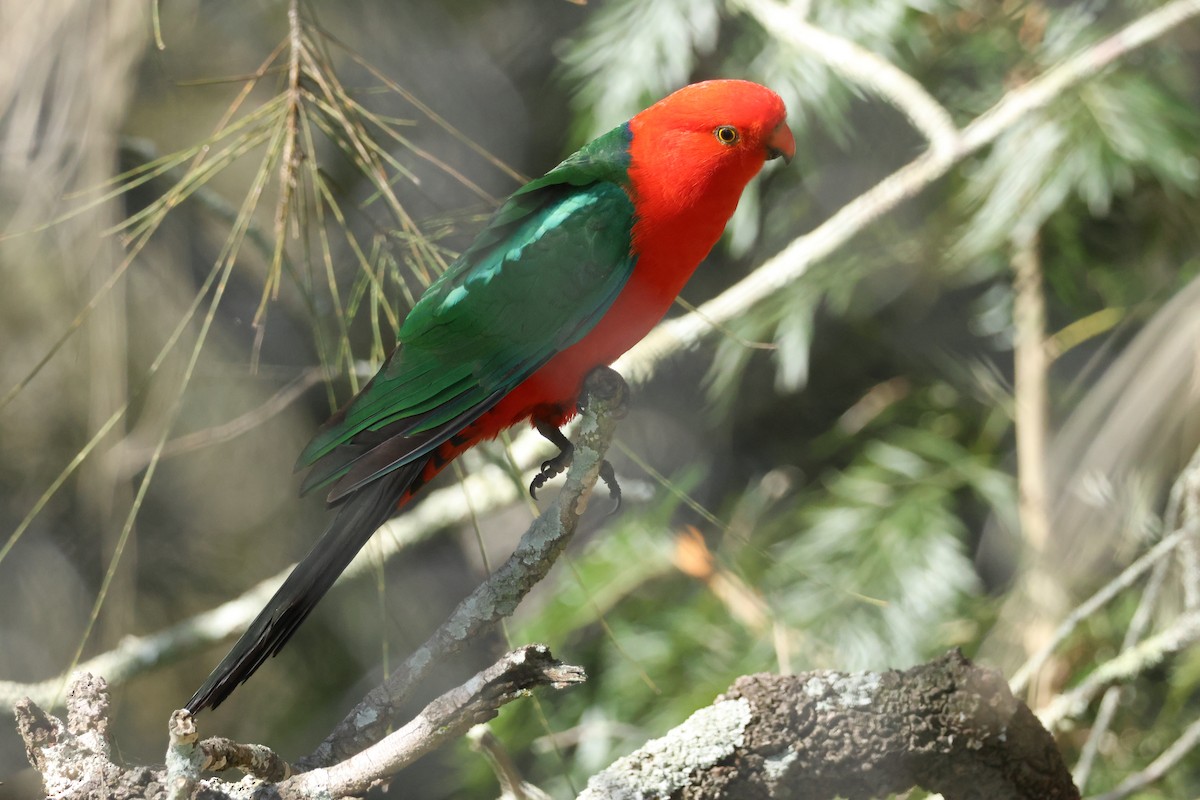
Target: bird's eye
(726, 134)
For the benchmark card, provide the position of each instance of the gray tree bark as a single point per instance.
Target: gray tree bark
(946, 726)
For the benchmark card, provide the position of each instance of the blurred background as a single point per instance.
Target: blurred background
(201, 259)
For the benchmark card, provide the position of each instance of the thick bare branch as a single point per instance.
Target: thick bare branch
(947, 726)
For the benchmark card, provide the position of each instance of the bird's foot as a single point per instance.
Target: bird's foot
(603, 382)
(552, 466)
(555, 466)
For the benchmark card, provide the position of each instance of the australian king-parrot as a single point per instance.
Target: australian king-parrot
(571, 271)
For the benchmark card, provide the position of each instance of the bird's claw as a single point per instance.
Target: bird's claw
(555, 466)
(608, 384)
(609, 476)
(550, 468)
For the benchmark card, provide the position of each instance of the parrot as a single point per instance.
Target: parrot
(569, 272)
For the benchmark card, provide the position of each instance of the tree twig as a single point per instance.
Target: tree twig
(443, 720)
(1030, 366)
(218, 754)
(1157, 768)
(861, 66)
(1032, 396)
(1112, 696)
(512, 785)
(1106, 594)
(1182, 633)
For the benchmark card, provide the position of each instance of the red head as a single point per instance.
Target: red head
(694, 151)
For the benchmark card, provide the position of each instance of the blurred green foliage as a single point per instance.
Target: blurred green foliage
(838, 462)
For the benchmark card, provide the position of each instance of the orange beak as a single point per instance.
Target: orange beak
(781, 143)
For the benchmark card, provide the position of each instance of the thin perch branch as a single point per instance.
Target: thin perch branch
(443, 720)
(499, 595)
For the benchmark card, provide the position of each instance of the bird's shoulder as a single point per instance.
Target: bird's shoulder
(578, 216)
(602, 162)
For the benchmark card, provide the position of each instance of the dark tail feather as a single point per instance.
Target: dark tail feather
(357, 519)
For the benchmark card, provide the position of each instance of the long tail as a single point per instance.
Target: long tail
(357, 519)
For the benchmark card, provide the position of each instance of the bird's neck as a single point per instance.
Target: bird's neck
(682, 200)
(680, 216)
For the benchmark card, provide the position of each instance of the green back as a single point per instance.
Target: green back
(548, 265)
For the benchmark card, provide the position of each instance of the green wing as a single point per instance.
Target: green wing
(542, 273)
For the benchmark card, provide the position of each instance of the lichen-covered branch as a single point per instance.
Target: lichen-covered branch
(946, 726)
(1132, 662)
(443, 720)
(74, 758)
(75, 762)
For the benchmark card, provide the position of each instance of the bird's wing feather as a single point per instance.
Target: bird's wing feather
(552, 260)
